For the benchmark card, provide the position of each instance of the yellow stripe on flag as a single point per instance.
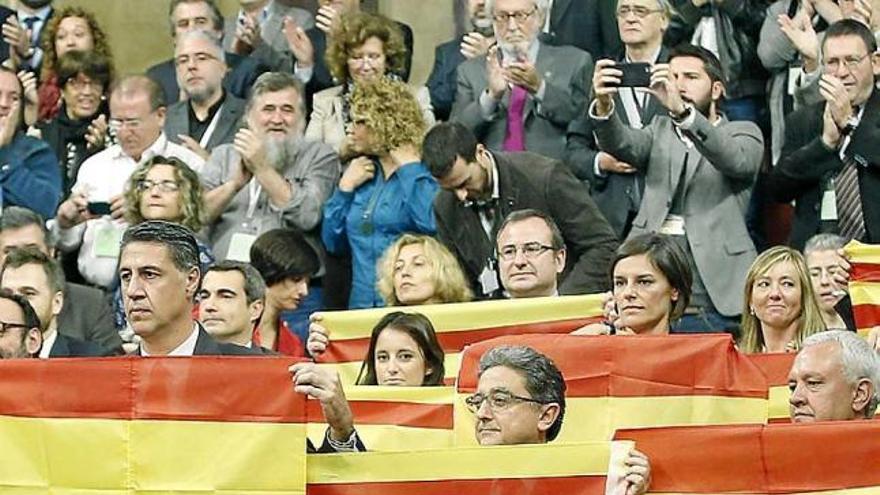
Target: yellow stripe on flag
(859, 252)
(779, 396)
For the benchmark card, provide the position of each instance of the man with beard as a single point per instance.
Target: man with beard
(19, 327)
(699, 171)
(448, 56)
(209, 116)
(269, 177)
(523, 93)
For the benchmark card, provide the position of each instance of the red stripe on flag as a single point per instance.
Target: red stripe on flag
(392, 413)
(867, 315)
(569, 485)
(865, 272)
(343, 351)
(192, 388)
(775, 366)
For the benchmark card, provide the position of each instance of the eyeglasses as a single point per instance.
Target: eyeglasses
(639, 11)
(199, 58)
(518, 17)
(498, 400)
(119, 124)
(6, 326)
(80, 84)
(851, 63)
(371, 58)
(164, 185)
(530, 250)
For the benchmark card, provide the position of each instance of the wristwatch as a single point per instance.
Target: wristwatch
(688, 110)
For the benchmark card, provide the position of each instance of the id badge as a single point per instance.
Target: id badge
(240, 247)
(107, 241)
(829, 205)
(673, 225)
(489, 280)
(794, 75)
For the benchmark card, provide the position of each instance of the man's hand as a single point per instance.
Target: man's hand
(611, 165)
(117, 207)
(194, 146)
(324, 385)
(838, 108)
(96, 132)
(73, 211)
(251, 148)
(523, 74)
(801, 34)
(9, 124)
(326, 19)
(475, 44)
(495, 75)
(300, 44)
(319, 337)
(841, 277)
(638, 473)
(247, 36)
(29, 87)
(17, 36)
(605, 81)
(863, 12)
(665, 89)
(360, 170)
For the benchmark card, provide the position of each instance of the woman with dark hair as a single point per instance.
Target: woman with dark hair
(286, 261)
(403, 351)
(651, 281)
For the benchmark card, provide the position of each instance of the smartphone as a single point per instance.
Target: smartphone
(98, 208)
(635, 74)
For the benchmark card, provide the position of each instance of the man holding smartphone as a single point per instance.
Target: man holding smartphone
(699, 171)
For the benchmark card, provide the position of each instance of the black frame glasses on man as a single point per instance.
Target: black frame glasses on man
(530, 250)
(498, 400)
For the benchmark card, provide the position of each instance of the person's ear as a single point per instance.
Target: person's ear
(717, 90)
(862, 395)
(674, 295)
(549, 413)
(57, 303)
(560, 260)
(193, 277)
(256, 310)
(33, 341)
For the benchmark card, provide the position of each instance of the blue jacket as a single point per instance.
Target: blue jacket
(403, 203)
(29, 175)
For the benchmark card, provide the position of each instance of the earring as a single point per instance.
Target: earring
(752, 311)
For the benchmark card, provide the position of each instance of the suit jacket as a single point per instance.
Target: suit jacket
(228, 121)
(618, 196)
(87, 316)
(65, 346)
(566, 71)
(718, 174)
(4, 46)
(527, 180)
(207, 346)
(806, 166)
(243, 72)
(590, 25)
(441, 83)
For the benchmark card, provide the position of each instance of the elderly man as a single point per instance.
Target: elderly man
(137, 113)
(209, 116)
(835, 376)
(20, 336)
(270, 177)
(231, 302)
(531, 254)
(522, 94)
(482, 187)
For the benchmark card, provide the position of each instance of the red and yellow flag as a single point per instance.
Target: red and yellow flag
(151, 425)
(624, 382)
(775, 367)
(458, 325)
(864, 285)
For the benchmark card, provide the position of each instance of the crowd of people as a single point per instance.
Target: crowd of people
(281, 163)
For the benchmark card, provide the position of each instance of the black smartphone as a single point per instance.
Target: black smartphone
(635, 74)
(98, 207)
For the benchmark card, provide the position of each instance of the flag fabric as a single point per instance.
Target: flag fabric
(864, 284)
(775, 367)
(458, 325)
(543, 469)
(394, 418)
(150, 426)
(837, 457)
(634, 381)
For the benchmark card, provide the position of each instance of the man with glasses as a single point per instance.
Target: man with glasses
(20, 335)
(531, 254)
(830, 164)
(209, 115)
(482, 187)
(522, 94)
(91, 219)
(618, 186)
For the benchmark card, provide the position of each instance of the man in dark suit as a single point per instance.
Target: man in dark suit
(32, 274)
(586, 24)
(482, 187)
(617, 186)
(203, 15)
(231, 302)
(209, 116)
(23, 29)
(830, 163)
(86, 314)
(20, 337)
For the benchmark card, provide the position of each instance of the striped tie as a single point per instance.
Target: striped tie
(850, 223)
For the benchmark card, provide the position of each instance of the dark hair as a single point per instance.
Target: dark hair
(179, 240)
(444, 143)
(91, 64)
(254, 286)
(191, 200)
(851, 27)
(556, 239)
(666, 256)
(30, 316)
(280, 254)
(711, 64)
(17, 217)
(212, 5)
(544, 381)
(20, 257)
(130, 86)
(420, 329)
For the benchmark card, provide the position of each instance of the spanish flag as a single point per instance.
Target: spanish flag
(151, 425)
(838, 457)
(634, 381)
(458, 325)
(571, 469)
(775, 367)
(864, 284)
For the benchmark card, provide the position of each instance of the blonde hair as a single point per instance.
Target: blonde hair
(191, 197)
(809, 321)
(450, 284)
(391, 113)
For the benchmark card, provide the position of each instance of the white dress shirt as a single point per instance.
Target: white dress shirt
(186, 348)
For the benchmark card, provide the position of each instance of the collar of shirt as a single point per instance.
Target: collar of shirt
(157, 148)
(43, 13)
(654, 56)
(186, 348)
(212, 110)
(531, 54)
(48, 343)
(493, 177)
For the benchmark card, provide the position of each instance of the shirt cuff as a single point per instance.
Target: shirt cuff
(688, 122)
(304, 75)
(349, 445)
(487, 105)
(596, 170)
(591, 111)
(539, 95)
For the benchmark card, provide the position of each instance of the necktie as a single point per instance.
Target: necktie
(29, 25)
(515, 138)
(850, 223)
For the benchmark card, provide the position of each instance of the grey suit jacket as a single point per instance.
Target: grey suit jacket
(720, 171)
(228, 121)
(566, 71)
(86, 315)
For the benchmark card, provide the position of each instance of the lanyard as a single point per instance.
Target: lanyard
(211, 127)
(254, 191)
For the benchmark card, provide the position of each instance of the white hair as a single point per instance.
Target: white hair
(824, 242)
(199, 34)
(857, 358)
(543, 6)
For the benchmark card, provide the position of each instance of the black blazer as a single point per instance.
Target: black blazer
(443, 79)
(207, 346)
(806, 165)
(65, 346)
(528, 180)
(87, 316)
(590, 25)
(243, 73)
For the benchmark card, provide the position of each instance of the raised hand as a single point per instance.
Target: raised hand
(475, 44)
(665, 89)
(495, 74)
(360, 170)
(300, 44)
(605, 81)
